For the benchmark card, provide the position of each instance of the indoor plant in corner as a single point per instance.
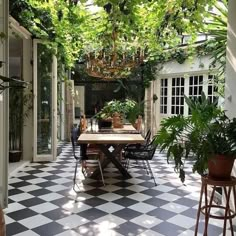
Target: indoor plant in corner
(207, 135)
(20, 104)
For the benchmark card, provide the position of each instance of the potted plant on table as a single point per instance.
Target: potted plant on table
(123, 108)
(207, 135)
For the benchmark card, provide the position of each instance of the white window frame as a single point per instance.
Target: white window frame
(163, 95)
(176, 87)
(186, 77)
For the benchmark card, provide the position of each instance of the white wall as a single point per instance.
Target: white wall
(191, 65)
(79, 93)
(4, 105)
(230, 95)
(171, 69)
(28, 76)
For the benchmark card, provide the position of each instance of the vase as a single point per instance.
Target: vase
(220, 166)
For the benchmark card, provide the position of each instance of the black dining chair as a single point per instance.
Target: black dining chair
(135, 146)
(144, 154)
(90, 164)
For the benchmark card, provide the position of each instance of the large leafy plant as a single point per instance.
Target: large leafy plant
(203, 134)
(122, 107)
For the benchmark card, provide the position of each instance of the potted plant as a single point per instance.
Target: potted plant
(20, 103)
(207, 135)
(123, 108)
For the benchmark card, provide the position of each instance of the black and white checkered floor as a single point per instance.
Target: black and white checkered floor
(43, 202)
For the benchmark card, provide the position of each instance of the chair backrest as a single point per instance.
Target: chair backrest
(152, 148)
(74, 136)
(148, 136)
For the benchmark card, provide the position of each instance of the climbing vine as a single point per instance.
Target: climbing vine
(74, 28)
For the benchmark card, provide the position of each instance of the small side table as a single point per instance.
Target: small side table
(228, 186)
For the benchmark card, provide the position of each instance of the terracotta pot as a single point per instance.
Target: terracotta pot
(2, 224)
(220, 166)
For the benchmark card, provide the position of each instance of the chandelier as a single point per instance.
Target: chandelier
(114, 63)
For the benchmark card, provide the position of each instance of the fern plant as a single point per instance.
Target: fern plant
(203, 134)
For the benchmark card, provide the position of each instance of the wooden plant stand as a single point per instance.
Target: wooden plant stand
(228, 187)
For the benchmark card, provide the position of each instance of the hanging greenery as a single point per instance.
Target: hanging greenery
(75, 29)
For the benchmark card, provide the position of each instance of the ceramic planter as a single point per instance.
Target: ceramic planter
(220, 166)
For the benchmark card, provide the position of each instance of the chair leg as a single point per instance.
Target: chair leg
(145, 167)
(75, 173)
(150, 170)
(100, 167)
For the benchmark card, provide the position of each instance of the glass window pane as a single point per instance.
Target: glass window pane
(172, 110)
(191, 80)
(195, 80)
(165, 92)
(191, 91)
(181, 110)
(177, 110)
(195, 90)
(173, 91)
(200, 79)
(177, 91)
(166, 82)
(209, 90)
(165, 109)
(177, 100)
(165, 100)
(44, 103)
(200, 90)
(182, 81)
(178, 81)
(173, 82)
(173, 101)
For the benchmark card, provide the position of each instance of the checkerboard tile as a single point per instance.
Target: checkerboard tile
(42, 201)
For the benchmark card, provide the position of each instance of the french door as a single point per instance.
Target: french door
(45, 103)
(4, 107)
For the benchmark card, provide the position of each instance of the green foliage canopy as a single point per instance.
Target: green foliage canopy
(74, 28)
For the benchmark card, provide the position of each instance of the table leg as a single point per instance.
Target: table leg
(199, 210)
(111, 157)
(227, 208)
(206, 212)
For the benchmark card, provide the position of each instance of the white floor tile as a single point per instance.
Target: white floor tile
(139, 197)
(168, 197)
(29, 188)
(183, 221)
(35, 221)
(150, 233)
(50, 197)
(44, 207)
(174, 207)
(57, 188)
(72, 221)
(15, 206)
(27, 233)
(110, 196)
(75, 207)
(110, 207)
(21, 196)
(142, 207)
(68, 233)
(146, 221)
(109, 221)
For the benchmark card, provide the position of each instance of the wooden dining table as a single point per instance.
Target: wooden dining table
(111, 142)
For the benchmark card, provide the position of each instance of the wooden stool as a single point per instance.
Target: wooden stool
(229, 214)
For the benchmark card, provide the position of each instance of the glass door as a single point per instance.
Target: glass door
(4, 107)
(45, 103)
